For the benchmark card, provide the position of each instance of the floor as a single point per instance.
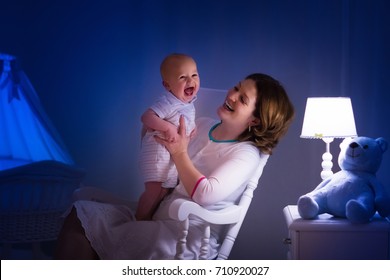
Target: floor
(24, 251)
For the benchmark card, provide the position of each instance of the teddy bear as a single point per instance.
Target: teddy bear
(354, 192)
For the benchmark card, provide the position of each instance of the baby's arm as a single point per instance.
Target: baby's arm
(152, 121)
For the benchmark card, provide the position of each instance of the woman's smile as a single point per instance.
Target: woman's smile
(228, 107)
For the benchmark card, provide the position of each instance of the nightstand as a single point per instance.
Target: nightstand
(327, 237)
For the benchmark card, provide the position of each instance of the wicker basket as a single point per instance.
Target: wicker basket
(32, 199)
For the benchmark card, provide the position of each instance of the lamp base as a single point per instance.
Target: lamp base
(327, 160)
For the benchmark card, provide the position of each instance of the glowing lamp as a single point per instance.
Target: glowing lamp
(327, 118)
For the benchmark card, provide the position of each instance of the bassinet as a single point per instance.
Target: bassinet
(32, 199)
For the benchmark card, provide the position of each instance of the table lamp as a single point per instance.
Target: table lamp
(327, 118)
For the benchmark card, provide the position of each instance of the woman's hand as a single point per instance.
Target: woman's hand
(181, 144)
(171, 133)
(188, 174)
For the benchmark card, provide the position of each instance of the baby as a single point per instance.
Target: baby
(181, 80)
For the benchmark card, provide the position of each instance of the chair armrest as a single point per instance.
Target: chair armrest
(180, 209)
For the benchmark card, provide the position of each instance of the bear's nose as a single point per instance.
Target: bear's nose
(353, 145)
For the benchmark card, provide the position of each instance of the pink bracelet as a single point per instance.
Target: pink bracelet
(196, 185)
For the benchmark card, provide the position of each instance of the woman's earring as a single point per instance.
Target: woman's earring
(249, 128)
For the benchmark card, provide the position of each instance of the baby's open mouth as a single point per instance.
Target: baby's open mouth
(189, 91)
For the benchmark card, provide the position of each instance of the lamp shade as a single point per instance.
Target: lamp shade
(328, 117)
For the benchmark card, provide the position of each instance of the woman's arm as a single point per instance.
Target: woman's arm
(223, 180)
(233, 171)
(188, 174)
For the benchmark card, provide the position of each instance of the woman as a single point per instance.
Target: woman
(214, 168)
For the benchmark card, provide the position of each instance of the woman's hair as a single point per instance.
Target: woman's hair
(274, 110)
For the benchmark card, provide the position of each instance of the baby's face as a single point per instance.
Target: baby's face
(182, 80)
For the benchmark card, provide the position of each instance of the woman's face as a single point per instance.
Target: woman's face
(239, 105)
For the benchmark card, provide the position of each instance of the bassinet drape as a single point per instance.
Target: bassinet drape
(27, 134)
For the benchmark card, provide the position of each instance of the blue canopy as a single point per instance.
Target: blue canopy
(26, 132)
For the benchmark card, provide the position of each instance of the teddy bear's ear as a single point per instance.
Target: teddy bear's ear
(382, 143)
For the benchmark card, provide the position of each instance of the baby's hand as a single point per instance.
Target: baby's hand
(171, 133)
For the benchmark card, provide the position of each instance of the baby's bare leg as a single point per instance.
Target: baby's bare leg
(149, 200)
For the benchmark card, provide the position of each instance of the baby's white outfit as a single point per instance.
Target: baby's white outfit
(155, 162)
